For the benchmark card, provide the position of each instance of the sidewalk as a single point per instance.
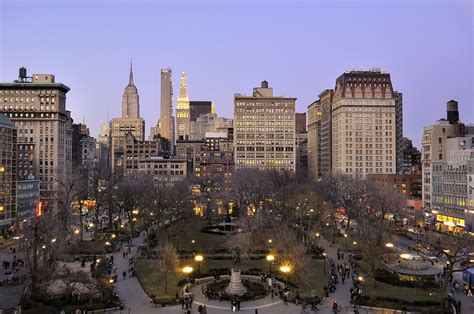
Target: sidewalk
(342, 294)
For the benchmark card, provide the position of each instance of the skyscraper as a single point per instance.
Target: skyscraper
(130, 120)
(182, 110)
(360, 125)
(166, 107)
(130, 99)
(37, 107)
(264, 127)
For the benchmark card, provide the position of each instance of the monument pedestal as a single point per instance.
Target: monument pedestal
(235, 285)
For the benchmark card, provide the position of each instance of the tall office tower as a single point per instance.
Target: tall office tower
(264, 130)
(325, 102)
(130, 99)
(433, 150)
(182, 111)
(130, 120)
(364, 122)
(8, 174)
(314, 141)
(166, 107)
(399, 129)
(37, 107)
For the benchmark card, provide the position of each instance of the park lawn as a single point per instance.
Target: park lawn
(202, 241)
(152, 281)
(385, 290)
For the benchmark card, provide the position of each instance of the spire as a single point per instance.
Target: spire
(130, 80)
(183, 93)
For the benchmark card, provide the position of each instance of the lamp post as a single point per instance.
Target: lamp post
(345, 239)
(324, 262)
(194, 251)
(199, 259)
(389, 245)
(270, 259)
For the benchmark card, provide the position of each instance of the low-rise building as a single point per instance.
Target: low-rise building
(163, 170)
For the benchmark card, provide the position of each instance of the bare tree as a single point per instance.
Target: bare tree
(133, 199)
(252, 190)
(456, 250)
(344, 191)
(40, 245)
(210, 190)
(167, 262)
(385, 203)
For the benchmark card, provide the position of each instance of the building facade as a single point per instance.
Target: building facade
(206, 123)
(189, 151)
(364, 117)
(406, 184)
(28, 194)
(411, 157)
(264, 130)
(8, 171)
(452, 200)
(182, 111)
(434, 149)
(131, 151)
(198, 108)
(314, 141)
(163, 170)
(166, 124)
(37, 107)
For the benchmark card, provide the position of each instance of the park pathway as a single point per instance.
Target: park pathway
(342, 294)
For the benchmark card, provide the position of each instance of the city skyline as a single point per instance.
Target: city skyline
(411, 51)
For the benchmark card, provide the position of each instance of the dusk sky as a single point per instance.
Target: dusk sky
(228, 47)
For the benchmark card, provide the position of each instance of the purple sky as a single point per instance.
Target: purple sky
(299, 47)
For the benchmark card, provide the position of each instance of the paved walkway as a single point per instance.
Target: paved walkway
(342, 294)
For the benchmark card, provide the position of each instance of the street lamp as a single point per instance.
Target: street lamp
(199, 259)
(270, 259)
(317, 236)
(270, 241)
(285, 269)
(389, 245)
(194, 250)
(354, 242)
(324, 262)
(187, 270)
(345, 239)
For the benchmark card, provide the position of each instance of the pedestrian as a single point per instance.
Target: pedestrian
(124, 274)
(459, 306)
(343, 279)
(182, 303)
(256, 311)
(123, 254)
(297, 297)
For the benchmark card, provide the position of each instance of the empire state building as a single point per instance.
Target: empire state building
(130, 122)
(130, 99)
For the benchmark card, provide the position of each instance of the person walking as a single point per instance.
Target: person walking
(124, 274)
